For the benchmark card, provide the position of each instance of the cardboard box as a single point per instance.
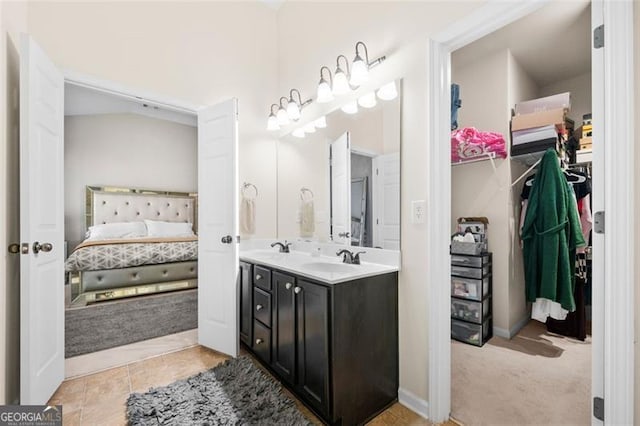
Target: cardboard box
(586, 143)
(539, 119)
(584, 156)
(548, 103)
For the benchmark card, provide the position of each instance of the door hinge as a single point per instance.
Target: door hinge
(598, 408)
(238, 239)
(598, 222)
(598, 37)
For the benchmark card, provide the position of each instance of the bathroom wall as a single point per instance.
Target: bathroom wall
(398, 30)
(198, 52)
(126, 150)
(580, 88)
(13, 21)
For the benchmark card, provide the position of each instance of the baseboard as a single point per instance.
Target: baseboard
(412, 401)
(508, 334)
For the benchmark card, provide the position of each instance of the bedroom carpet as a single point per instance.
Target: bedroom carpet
(536, 378)
(109, 324)
(234, 392)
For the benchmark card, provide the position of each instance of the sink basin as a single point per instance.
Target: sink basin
(267, 254)
(329, 267)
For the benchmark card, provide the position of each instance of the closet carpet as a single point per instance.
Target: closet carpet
(536, 378)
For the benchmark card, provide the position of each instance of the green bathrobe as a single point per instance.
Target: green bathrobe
(551, 233)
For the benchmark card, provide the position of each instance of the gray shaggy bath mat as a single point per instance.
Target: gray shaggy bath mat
(235, 392)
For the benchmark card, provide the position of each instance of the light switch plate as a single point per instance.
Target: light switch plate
(418, 211)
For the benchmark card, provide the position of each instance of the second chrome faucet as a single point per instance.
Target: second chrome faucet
(284, 247)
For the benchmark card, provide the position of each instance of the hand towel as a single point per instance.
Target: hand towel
(307, 219)
(247, 216)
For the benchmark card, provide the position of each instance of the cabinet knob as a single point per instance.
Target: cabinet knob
(258, 307)
(297, 290)
(258, 341)
(287, 286)
(258, 277)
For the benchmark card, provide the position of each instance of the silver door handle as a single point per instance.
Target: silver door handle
(258, 307)
(287, 286)
(258, 341)
(297, 290)
(258, 277)
(45, 247)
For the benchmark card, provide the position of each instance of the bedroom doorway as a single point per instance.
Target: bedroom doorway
(612, 365)
(42, 219)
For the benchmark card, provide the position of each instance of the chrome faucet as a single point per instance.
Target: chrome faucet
(284, 248)
(350, 258)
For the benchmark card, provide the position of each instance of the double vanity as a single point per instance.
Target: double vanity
(327, 329)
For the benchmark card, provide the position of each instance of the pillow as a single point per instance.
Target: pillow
(110, 231)
(157, 228)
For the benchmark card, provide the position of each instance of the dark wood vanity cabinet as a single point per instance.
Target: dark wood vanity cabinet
(246, 300)
(334, 345)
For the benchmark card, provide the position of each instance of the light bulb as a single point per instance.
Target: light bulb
(359, 72)
(368, 100)
(350, 108)
(293, 112)
(321, 122)
(309, 128)
(340, 83)
(283, 118)
(272, 123)
(388, 91)
(324, 92)
(298, 133)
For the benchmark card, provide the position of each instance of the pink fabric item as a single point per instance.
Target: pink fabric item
(469, 144)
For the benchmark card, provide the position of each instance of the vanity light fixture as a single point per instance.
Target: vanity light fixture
(388, 91)
(282, 116)
(324, 87)
(368, 100)
(341, 78)
(309, 128)
(294, 109)
(298, 133)
(321, 122)
(360, 66)
(272, 122)
(350, 107)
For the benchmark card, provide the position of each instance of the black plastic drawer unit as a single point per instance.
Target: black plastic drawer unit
(474, 334)
(470, 272)
(469, 310)
(474, 261)
(470, 288)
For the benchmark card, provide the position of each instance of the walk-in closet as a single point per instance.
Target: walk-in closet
(521, 221)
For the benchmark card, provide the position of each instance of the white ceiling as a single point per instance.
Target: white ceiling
(80, 100)
(552, 44)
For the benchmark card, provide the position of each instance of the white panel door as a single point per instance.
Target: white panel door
(218, 227)
(341, 190)
(41, 225)
(386, 201)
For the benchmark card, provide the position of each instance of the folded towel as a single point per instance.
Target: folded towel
(307, 219)
(247, 216)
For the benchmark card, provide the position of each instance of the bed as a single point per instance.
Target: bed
(110, 265)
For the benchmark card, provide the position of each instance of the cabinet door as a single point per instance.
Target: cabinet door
(246, 303)
(284, 327)
(313, 344)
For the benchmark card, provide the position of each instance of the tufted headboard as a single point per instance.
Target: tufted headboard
(111, 204)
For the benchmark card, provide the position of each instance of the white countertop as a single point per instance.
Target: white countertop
(327, 269)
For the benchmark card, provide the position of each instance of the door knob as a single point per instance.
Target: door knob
(258, 341)
(227, 239)
(45, 247)
(258, 307)
(258, 277)
(287, 286)
(297, 290)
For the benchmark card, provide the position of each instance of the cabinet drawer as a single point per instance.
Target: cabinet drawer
(464, 271)
(469, 310)
(470, 288)
(262, 306)
(262, 341)
(474, 334)
(474, 261)
(262, 277)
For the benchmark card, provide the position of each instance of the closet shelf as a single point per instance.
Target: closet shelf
(484, 157)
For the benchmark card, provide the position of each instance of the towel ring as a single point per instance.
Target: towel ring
(249, 185)
(303, 190)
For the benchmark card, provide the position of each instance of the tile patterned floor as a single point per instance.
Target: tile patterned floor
(100, 399)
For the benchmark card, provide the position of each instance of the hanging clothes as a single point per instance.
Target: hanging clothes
(551, 233)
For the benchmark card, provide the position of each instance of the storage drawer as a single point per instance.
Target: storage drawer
(262, 277)
(474, 261)
(474, 334)
(464, 271)
(262, 341)
(262, 306)
(470, 288)
(469, 310)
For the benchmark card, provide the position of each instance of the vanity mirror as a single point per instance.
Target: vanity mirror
(341, 183)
